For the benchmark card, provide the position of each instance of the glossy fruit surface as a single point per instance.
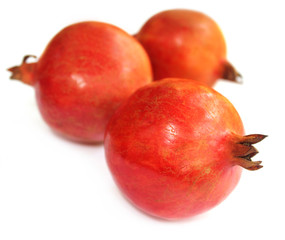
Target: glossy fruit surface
(84, 74)
(176, 146)
(186, 44)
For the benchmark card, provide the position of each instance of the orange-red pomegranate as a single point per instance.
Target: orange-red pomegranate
(186, 44)
(176, 147)
(84, 74)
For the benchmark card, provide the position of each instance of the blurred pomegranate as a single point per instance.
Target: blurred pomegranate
(84, 74)
(186, 44)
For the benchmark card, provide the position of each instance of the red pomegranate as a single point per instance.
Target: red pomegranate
(186, 44)
(84, 74)
(176, 147)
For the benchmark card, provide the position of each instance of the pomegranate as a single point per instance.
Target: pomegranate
(84, 74)
(176, 147)
(186, 44)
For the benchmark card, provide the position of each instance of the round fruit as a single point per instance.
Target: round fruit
(176, 147)
(84, 74)
(186, 44)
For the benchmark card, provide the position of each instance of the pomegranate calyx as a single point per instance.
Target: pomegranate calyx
(244, 151)
(230, 73)
(24, 72)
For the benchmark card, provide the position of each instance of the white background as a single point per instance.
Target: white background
(51, 188)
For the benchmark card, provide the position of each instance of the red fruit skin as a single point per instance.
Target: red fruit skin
(87, 70)
(170, 148)
(186, 44)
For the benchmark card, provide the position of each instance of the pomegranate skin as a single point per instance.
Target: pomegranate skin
(175, 148)
(186, 44)
(84, 74)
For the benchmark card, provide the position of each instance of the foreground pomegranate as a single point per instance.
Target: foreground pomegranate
(84, 74)
(186, 44)
(176, 148)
